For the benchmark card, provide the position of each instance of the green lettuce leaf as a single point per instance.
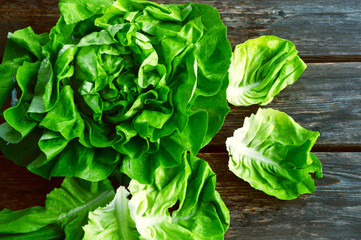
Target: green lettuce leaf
(65, 212)
(120, 84)
(261, 68)
(77, 11)
(272, 152)
(46, 233)
(181, 204)
(6, 81)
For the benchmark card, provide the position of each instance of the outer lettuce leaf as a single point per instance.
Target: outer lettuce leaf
(272, 152)
(26, 220)
(6, 81)
(198, 211)
(66, 211)
(76, 11)
(181, 204)
(24, 44)
(46, 233)
(116, 86)
(261, 68)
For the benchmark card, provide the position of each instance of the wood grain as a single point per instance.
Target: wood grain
(41, 15)
(332, 212)
(317, 27)
(20, 188)
(327, 98)
(321, 30)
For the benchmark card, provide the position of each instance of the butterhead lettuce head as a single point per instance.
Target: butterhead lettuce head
(127, 84)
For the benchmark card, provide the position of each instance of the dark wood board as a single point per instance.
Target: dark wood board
(322, 30)
(19, 188)
(319, 28)
(332, 212)
(327, 98)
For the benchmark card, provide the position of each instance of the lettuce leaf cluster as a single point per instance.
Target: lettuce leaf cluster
(271, 151)
(65, 212)
(125, 84)
(180, 204)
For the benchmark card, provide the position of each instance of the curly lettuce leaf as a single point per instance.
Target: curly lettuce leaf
(272, 152)
(77, 11)
(181, 204)
(261, 68)
(119, 84)
(65, 212)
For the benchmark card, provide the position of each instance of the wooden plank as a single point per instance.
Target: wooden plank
(319, 30)
(20, 188)
(17, 14)
(327, 98)
(332, 212)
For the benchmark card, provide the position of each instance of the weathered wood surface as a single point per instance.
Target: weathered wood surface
(322, 30)
(20, 188)
(327, 98)
(319, 28)
(332, 212)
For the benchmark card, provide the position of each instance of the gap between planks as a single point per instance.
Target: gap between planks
(316, 148)
(326, 98)
(321, 32)
(332, 212)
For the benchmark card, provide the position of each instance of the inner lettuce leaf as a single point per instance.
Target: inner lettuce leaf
(65, 212)
(272, 152)
(181, 204)
(261, 68)
(112, 221)
(125, 84)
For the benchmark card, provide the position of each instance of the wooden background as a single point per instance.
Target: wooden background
(327, 98)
